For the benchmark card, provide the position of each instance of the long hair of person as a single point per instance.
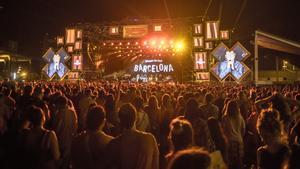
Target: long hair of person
(216, 132)
(192, 109)
(153, 103)
(232, 109)
(109, 107)
(153, 108)
(165, 100)
(280, 104)
(269, 121)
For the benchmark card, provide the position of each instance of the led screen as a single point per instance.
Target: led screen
(209, 45)
(212, 30)
(202, 76)
(200, 61)
(77, 62)
(135, 31)
(198, 28)
(56, 63)
(70, 36)
(78, 45)
(230, 61)
(224, 34)
(198, 42)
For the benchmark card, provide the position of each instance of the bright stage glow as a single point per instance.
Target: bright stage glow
(179, 46)
(153, 42)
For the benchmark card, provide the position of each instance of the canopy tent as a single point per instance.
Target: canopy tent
(269, 41)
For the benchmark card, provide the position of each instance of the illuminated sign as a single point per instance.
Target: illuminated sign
(135, 31)
(153, 66)
(200, 60)
(230, 61)
(56, 63)
(212, 30)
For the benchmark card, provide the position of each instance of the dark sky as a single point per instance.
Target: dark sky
(26, 21)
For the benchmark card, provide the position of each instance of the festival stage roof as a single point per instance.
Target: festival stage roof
(269, 41)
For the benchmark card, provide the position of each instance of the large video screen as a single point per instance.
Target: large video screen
(56, 63)
(230, 61)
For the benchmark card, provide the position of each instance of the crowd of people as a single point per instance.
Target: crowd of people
(124, 125)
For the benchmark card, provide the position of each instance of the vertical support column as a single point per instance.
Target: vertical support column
(255, 60)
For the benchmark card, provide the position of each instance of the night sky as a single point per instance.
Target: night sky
(27, 21)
